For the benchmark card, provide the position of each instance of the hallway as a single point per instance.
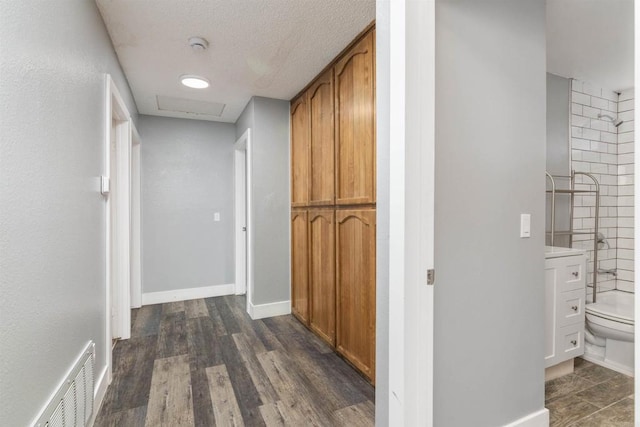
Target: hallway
(205, 362)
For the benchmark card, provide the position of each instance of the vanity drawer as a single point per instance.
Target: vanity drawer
(573, 275)
(570, 308)
(571, 341)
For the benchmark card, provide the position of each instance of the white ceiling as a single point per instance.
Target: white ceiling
(257, 47)
(591, 40)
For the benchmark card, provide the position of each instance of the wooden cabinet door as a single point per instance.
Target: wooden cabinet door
(299, 266)
(356, 287)
(355, 124)
(300, 143)
(322, 274)
(322, 140)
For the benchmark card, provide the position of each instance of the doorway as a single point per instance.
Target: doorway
(136, 227)
(118, 215)
(242, 195)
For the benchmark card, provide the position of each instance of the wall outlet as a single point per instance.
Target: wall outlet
(216, 216)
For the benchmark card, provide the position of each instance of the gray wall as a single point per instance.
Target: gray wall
(558, 159)
(187, 176)
(52, 216)
(269, 123)
(490, 162)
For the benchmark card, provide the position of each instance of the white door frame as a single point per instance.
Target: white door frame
(636, 209)
(411, 36)
(136, 220)
(118, 225)
(243, 232)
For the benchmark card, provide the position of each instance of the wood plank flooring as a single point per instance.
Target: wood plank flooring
(206, 363)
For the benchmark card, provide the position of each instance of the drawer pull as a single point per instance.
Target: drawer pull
(574, 307)
(575, 274)
(574, 342)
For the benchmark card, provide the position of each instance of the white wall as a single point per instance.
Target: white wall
(607, 152)
(269, 123)
(52, 216)
(187, 176)
(490, 163)
(594, 149)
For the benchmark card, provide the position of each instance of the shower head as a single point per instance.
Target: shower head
(616, 122)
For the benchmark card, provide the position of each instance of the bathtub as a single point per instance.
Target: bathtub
(610, 331)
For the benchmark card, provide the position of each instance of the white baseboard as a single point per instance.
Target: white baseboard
(260, 311)
(187, 294)
(536, 419)
(98, 395)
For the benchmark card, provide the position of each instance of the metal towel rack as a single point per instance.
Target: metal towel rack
(572, 191)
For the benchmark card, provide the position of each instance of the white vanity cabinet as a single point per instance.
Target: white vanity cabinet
(565, 294)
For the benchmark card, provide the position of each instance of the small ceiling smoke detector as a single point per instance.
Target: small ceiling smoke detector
(198, 44)
(194, 82)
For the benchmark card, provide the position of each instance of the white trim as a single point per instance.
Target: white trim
(535, 419)
(397, 74)
(187, 294)
(115, 109)
(249, 184)
(636, 210)
(136, 219)
(260, 311)
(411, 210)
(98, 395)
(242, 194)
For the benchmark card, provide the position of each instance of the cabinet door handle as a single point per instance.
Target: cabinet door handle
(574, 307)
(575, 274)
(574, 342)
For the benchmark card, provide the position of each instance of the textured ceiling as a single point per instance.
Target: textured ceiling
(591, 40)
(270, 48)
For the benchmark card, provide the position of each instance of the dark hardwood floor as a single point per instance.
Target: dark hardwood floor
(206, 363)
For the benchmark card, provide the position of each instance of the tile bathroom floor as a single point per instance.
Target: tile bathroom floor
(590, 396)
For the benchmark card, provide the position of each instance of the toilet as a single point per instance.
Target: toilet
(610, 331)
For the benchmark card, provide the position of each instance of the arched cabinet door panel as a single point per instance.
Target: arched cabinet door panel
(355, 124)
(322, 140)
(300, 146)
(356, 288)
(322, 274)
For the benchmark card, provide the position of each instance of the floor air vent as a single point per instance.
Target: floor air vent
(72, 405)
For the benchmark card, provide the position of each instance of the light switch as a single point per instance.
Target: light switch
(104, 185)
(525, 225)
(216, 216)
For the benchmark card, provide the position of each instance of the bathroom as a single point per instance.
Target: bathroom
(590, 208)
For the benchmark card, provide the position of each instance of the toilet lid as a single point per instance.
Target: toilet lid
(616, 317)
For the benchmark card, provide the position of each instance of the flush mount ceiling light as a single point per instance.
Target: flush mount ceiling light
(194, 82)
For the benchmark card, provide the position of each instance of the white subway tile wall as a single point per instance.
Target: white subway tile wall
(600, 148)
(626, 169)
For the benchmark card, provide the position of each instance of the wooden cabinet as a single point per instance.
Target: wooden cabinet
(333, 190)
(299, 266)
(300, 144)
(356, 287)
(322, 142)
(322, 274)
(565, 293)
(355, 124)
